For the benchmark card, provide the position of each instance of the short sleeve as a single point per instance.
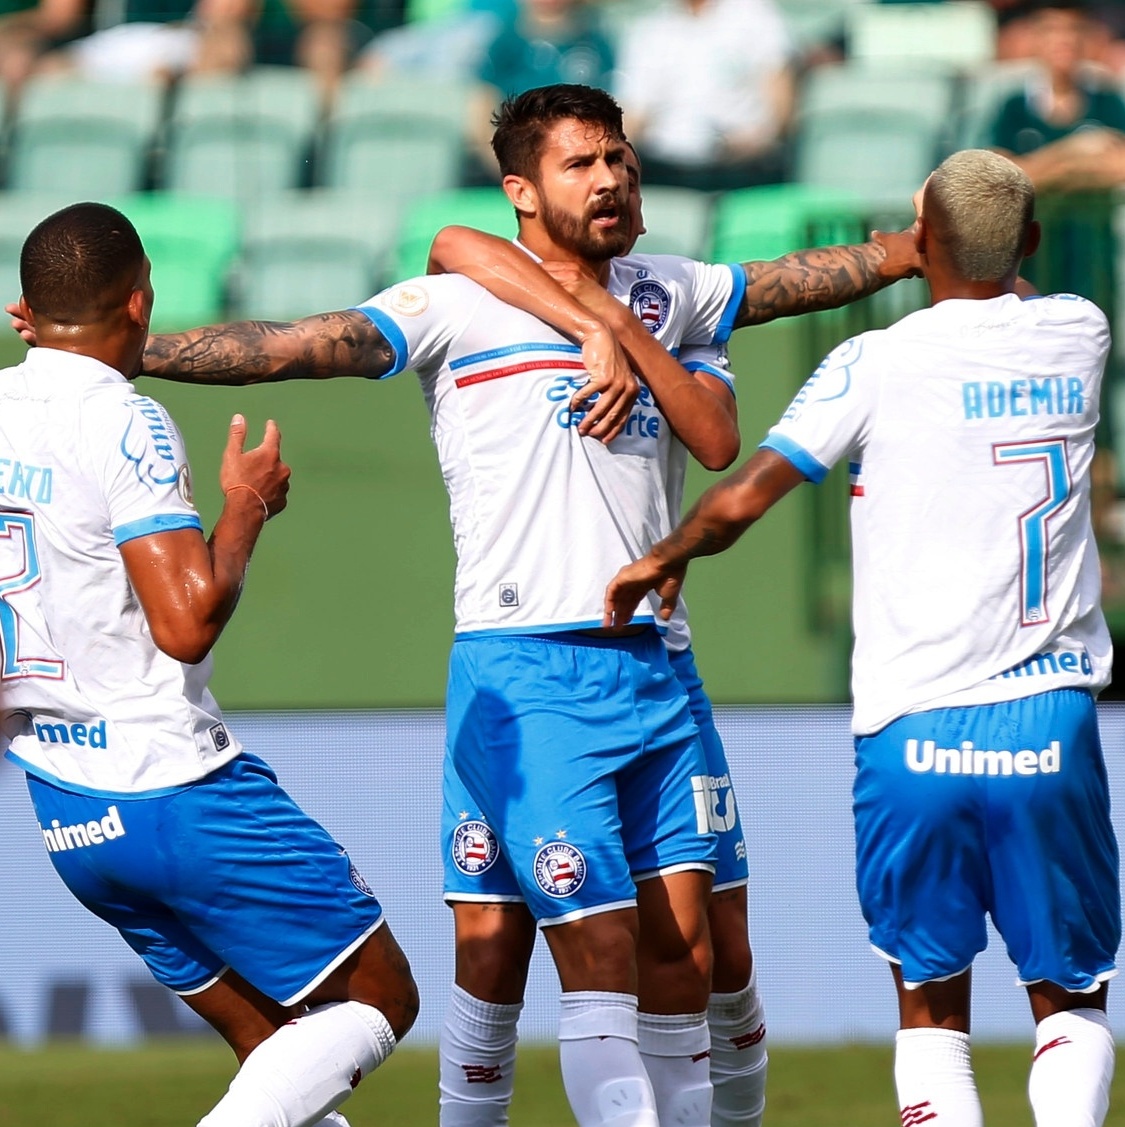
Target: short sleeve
(144, 471)
(716, 295)
(712, 359)
(829, 418)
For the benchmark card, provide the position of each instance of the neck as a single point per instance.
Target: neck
(942, 289)
(540, 243)
(83, 340)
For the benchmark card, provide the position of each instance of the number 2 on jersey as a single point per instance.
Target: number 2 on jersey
(1033, 523)
(17, 547)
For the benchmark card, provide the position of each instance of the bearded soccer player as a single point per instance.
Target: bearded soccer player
(980, 787)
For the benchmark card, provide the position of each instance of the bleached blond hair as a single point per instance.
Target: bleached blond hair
(980, 204)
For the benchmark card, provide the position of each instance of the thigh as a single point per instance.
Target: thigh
(1053, 853)
(921, 846)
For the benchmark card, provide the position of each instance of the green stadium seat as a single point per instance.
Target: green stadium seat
(243, 136)
(93, 138)
(961, 34)
(764, 223)
(192, 243)
(927, 88)
(305, 252)
(392, 136)
(677, 221)
(487, 209)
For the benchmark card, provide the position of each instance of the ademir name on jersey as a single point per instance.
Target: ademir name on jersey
(1052, 395)
(643, 423)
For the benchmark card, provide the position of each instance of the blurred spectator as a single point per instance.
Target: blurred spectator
(707, 87)
(28, 29)
(1065, 130)
(1106, 40)
(541, 43)
(161, 39)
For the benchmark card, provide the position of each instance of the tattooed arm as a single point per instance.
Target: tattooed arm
(345, 343)
(824, 278)
(715, 522)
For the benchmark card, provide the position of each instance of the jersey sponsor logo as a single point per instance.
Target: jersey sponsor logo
(474, 848)
(560, 869)
(715, 811)
(25, 482)
(925, 757)
(158, 444)
(81, 735)
(643, 424)
(59, 839)
(1052, 395)
(509, 595)
(220, 737)
(650, 303)
(831, 380)
(1048, 664)
(410, 301)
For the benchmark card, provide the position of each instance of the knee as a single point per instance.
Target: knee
(596, 953)
(493, 953)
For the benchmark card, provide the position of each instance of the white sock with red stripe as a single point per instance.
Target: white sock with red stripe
(478, 1061)
(676, 1050)
(934, 1079)
(1072, 1069)
(738, 1057)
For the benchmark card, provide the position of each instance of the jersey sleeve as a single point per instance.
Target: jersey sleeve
(712, 359)
(143, 468)
(830, 415)
(716, 293)
(421, 317)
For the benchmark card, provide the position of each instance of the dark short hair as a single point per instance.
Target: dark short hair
(79, 263)
(522, 122)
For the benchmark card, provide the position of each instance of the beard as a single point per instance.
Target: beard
(594, 244)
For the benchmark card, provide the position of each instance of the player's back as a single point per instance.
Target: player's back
(86, 697)
(977, 575)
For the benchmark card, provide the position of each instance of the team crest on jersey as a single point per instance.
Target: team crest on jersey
(650, 301)
(475, 848)
(560, 869)
(183, 485)
(410, 301)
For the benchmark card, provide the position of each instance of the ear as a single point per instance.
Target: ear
(522, 193)
(921, 234)
(25, 311)
(136, 309)
(1034, 235)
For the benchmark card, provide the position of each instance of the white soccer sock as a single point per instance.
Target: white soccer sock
(306, 1069)
(675, 1049)
(602, 1070)
(738, 1057)
(478, 1061)
(934, 1079)
(1072, 1069)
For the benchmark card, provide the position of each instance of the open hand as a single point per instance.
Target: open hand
(19, 325)
(259, 470)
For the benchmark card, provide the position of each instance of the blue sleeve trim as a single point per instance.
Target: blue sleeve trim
(734, 304)
(800, 457)
(395, 337)
(718, 373)
(146, 526)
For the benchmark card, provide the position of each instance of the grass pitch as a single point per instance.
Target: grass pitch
(173, 1085)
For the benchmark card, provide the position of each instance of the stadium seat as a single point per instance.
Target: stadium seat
(962, 34)
(304, 252)
(487, 209)
(395, 137)
(766, 222)
(92, 138)
(241, 137)
(677, 221)
(927, 88)
(191, 242)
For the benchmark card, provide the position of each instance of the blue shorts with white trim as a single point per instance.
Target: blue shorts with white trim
(224, 872)
(1000, 809)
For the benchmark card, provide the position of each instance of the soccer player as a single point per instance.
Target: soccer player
(495, 932)
(152, 814)
(980, 642)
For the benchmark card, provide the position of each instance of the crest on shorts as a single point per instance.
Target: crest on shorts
(475, 848)
(560, 869)
(650, 302)
(357, 878)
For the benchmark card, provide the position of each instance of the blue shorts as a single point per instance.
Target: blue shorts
(573, 768)
(225, 872)
(1001, 809)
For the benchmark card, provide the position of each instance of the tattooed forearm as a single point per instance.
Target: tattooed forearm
(809, 280)
(246, 352)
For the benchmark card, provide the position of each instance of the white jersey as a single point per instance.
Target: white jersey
(970, 430)
(87, 699)
(543, 518)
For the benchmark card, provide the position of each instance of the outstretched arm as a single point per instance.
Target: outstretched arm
(715, 522)
(345, 343)
(826, 277)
